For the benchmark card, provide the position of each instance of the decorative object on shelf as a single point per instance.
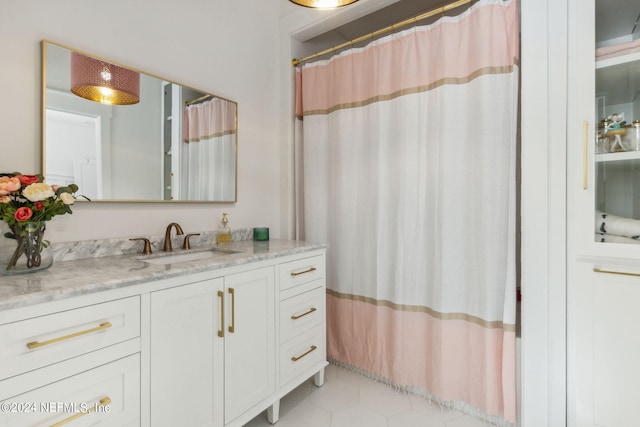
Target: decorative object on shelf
(603, 144)
(631, 141)
(323, 4)
(103, 82)
(615, 129)
(26, 204)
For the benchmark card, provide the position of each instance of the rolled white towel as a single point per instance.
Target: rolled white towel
(618, 225)
(612, 238)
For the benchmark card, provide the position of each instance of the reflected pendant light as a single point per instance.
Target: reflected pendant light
(323, 4)
(103, 82)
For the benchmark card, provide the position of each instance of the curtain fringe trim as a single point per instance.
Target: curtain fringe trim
(460, 406)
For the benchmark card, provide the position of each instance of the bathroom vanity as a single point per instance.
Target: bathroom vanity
(163, 340)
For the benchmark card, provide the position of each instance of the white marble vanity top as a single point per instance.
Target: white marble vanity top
(65, 279)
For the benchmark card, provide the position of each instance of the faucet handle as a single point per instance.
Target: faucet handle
(147, 245)
(186, 244)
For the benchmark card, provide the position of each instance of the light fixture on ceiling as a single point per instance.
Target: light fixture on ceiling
(103, 82)
(323, 4)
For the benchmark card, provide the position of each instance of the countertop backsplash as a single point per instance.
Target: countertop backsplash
(70, 251)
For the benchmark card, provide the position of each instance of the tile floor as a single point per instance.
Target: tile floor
(350, 400)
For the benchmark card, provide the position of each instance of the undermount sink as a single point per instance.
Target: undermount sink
(188, 256)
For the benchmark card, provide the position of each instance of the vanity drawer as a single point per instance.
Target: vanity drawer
(300, 271)
(108, 395)
(40, 341)
(301, 313)
(301, 354)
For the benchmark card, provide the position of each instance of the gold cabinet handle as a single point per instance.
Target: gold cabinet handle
(585, 155)
(36, 344)
(221, 331)
(103, 402)
(309, 270)
(295, 359)
(303, 314)
(621, 273)
(232, 327)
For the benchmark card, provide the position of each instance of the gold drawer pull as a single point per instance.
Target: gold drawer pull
(621, 273)
(309, 270)
(295, 359)
(221, 331)
(232, 327)
(36, 344)
(303, 314)
(103, 402)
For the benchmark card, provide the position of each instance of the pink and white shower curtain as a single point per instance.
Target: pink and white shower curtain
(406, 167)
(208, 155)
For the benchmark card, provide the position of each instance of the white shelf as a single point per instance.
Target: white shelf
(622, 59)
(620, 156)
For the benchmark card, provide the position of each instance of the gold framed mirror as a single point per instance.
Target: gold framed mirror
(174, 143)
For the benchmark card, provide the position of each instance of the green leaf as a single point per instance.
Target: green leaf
(61, 190)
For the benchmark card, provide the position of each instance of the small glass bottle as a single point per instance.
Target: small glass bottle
(224, 233)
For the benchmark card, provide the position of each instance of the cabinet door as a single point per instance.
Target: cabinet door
(604, 127)
(249, 342)
(607, 347)
(186, 355)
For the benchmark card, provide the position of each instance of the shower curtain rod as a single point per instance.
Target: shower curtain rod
(195, 101)
(436, 11)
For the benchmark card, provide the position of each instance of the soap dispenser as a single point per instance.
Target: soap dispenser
(224, 233)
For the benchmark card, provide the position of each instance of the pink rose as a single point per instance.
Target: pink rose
(5, 199)
(9, 184)
(27, 179)
(23, 214)
(39, 206)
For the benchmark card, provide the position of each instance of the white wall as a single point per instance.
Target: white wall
(229, 48)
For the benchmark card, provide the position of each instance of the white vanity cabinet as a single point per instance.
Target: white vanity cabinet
(249, 341)
(223, 349)
(209, 345)
(302, 318)
(74, 361)
(185, 362)
(212, 349)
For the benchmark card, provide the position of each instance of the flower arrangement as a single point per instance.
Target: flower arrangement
(26, 203)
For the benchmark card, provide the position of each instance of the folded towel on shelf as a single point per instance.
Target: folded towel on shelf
(617, 225)
(619, 49)
(612, 238)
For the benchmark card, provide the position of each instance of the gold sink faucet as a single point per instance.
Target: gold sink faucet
(167, 236)
(147, 245)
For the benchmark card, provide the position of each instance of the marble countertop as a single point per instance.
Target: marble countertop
(65, 279)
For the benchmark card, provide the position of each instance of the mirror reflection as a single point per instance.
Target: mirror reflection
(166, 142)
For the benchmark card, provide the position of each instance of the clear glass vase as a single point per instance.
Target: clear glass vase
(23, 248)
